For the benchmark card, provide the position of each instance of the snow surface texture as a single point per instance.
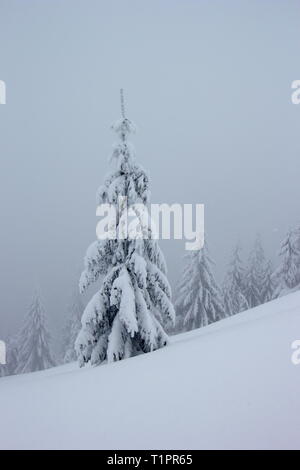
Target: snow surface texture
(229, 385)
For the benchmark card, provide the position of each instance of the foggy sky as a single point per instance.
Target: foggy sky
(208, 84)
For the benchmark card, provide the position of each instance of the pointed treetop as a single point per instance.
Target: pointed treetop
(122, 103)
(123, 126)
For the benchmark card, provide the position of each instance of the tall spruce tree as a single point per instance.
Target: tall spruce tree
(287, 276)
(126, 315)
(34, 341)
(233, 286)
(199, 301)
(255, 275)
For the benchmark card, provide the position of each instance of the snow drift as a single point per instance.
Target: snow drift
(230, 385)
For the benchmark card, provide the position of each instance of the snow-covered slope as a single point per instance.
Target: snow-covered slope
(229, 385)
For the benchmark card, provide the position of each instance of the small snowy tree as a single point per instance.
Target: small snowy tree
(267, 287)
(287, 275)
(255, 275)
(233, 286)
(199, 301)
(72, 328)
(126, 314)
(34, 341)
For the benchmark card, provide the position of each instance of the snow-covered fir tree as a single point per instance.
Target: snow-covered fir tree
(233, 286)
(34, 341)
(267, 287)
(255, 275)
(287, 276)
(72, 328)
(199, 301)
(126, 315)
